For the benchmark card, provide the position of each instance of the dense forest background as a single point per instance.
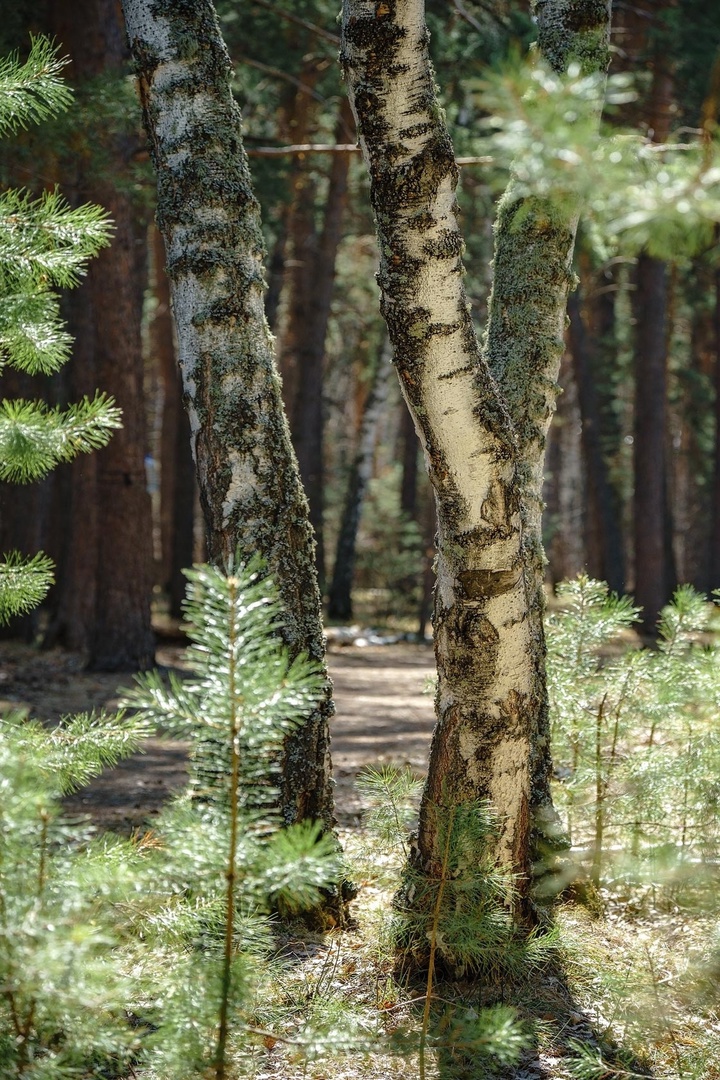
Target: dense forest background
(633, 465)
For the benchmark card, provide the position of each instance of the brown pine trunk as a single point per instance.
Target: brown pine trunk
(340, 593)
(565, 545)
(73, 614)
(652, 574)
(637, 37)
(603, 533)
(177, 469)
(25, 509)
(290, 284)
(161, 347)
(312, 282)
(122, 638)
(109, 487)
(715, 535)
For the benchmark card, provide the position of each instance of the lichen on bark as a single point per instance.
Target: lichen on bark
(250, 489)
(482, 416)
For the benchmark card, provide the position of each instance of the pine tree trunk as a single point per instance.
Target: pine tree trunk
(24, 508)
(122, 636)
(177, 469)
(604, 537)
(715, 534)
(639, 51)
(76, 593)
(483, 438)
(114, 623)
(650, 508)
(410, 447)
(340, 596)
(298, 122)
(564, 490)
(249, 484)
(313, 279)
(161, 348)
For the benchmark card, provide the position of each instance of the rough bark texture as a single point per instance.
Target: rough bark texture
(122, 636)
(76, 594)
(25, 509)
(248, 477)
(483, 447)
(108, 569)
(340, 595)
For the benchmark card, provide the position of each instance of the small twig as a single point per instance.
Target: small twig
(469, 18)
(289, 17)
(278, 74)
(298, 149)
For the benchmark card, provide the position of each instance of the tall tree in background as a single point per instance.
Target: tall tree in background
(106, 572)
(208, 215)
(44, 245)
(340, 592)
(482, 416)
(177, 469)
(313, 278)
(640, 40)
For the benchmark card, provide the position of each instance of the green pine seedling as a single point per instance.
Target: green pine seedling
(62, 1006)
(635, 744)
(220, 862)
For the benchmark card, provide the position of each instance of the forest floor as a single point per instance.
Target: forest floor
(384, 717)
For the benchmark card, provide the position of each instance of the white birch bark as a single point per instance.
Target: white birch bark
(210, 221)
(490, 741)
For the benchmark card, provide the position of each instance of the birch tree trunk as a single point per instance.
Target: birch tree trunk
(250, 490)
(481, 416)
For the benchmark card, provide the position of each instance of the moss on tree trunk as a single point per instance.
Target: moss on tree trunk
(250, 489)
(482, 417)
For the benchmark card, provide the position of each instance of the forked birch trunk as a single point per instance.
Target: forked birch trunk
(482, 417)
(210, 220)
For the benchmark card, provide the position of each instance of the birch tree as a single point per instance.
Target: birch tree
(210, 221)
(482, 415)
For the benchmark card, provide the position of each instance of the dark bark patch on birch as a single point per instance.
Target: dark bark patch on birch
(469, 643)
(485, 584)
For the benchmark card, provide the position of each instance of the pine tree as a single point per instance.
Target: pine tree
(44, 245)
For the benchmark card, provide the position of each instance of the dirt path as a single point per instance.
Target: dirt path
(382, 717)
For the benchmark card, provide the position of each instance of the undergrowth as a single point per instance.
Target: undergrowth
(178, 953)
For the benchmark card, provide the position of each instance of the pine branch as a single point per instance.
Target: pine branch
(23, 583)
(34, 438)
(33, 91)
(45, 241)
(32, 334)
